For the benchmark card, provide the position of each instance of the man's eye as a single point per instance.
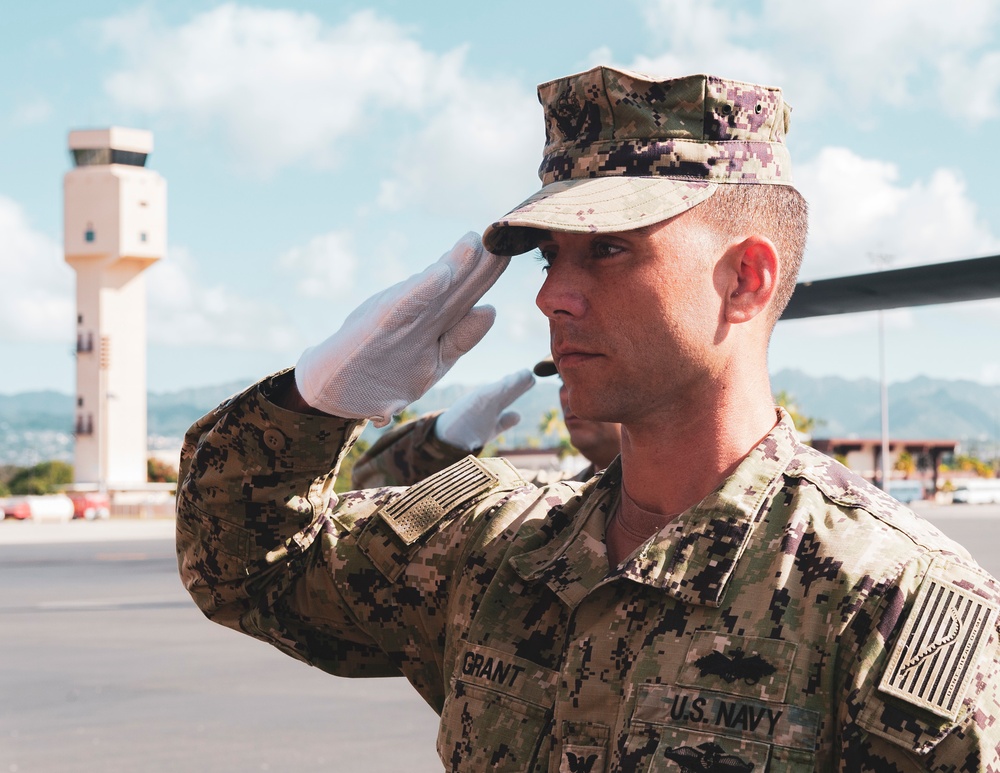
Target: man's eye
(606, 249)
(545, 257)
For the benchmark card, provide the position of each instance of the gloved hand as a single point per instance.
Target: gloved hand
(474, 420)
(401, 341)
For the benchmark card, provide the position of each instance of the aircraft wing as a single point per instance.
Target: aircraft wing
(961, 280)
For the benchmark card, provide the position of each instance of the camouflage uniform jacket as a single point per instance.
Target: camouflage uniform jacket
(412, 451)
(794, 620)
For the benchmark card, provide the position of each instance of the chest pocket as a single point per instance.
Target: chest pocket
(678, 729)
(497, 712)
(726, 712)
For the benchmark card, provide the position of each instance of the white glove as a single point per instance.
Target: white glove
(474, 420)
(401, 341)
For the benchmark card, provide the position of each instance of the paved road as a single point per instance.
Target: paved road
(107, 667)
(977, 527)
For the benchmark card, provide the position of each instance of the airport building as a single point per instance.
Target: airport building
(115, 227)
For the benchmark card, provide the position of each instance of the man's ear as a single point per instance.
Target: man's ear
(753, 274)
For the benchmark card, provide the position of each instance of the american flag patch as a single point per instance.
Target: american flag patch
(939, 647)
(429, 501)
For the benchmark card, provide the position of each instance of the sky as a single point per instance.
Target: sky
(316, 152)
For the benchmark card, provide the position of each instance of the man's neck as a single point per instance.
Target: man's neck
(672, 462)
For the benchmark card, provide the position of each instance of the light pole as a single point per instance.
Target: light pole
(882, 260)
(884, 390)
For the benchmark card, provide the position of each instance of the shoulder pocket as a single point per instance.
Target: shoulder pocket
(941, 661)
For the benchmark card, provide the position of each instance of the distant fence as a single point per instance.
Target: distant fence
(143, 510)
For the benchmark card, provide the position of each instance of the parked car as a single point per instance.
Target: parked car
(977, 491)
(47, 507)
(90, 505)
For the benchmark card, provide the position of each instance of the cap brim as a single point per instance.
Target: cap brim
(593, 205)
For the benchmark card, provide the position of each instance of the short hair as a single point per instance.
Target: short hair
(778, 212)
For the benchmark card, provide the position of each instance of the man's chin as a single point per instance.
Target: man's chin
(589, 413)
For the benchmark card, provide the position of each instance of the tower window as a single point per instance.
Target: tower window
(105, 156)
(142, 236)
(88, 235)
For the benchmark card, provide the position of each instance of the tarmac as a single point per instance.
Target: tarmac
(30, 532)
(114, 529)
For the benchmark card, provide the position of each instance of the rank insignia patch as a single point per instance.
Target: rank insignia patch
(707, 757)
(582, 760)
(937, 651)
(734, 665)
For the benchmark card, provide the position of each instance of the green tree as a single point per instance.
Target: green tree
(43, 478)
(405, 415)
(969, 463)
(343, 482)
(804, 424)
(905, 463)
(158, 471)
(552, 424)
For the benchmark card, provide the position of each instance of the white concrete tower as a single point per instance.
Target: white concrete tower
(115, 227)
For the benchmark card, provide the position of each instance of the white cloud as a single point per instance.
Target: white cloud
(473, 158)
(886, 51)
(36, 294)
(836, 326)
(334, 267)
(859, 209)
(900, 52)
(37, 298)
(705, 37)
(973, 84)
(289, 89)
(31, 112)
(326, 266)
(183, 311)
(990, 373)
(285, 87)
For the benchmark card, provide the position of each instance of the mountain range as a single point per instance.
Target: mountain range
(35, 426)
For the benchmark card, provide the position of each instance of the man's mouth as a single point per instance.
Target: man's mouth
(569, 356)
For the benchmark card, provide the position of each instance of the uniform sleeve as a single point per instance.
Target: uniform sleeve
(357, 584)
(405, 455)
(921, 657)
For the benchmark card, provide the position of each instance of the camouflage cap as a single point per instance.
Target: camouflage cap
(625, 150)
(545, 367)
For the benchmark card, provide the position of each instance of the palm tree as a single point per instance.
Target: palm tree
(405, 415)
(803, 424)
(552, 424)
(906, 464)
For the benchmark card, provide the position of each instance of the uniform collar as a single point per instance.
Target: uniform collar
(692, 558)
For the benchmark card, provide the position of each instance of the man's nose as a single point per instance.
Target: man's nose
(562, 292)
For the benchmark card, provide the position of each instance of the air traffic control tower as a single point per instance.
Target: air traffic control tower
(115, 227)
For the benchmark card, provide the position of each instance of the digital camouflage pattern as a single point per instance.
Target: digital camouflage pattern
(797, 619)
(407, 453)
(607, 123)
(412, 451)
(624, 150)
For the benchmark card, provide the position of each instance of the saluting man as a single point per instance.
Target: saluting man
(720, 598)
